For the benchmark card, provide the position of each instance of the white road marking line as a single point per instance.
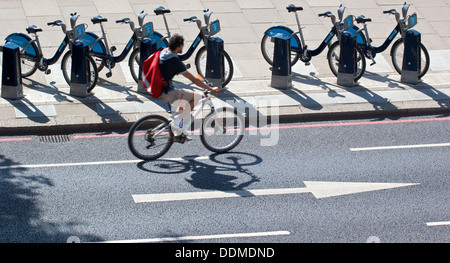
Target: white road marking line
(30, 166)
(443, 223)
(185, 238)
(400, 147)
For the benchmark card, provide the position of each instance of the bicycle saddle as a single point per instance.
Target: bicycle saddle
(362, 19)
(33, 29)
(98, 19)
(293, 8)
(161, 10)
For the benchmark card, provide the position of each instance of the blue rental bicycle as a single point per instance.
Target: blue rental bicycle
(207, 30)
(103, 54)
(364, 42)
(32, 58)
(299, 49)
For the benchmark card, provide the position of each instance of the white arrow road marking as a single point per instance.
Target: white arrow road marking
(318, 189)
(400, 147)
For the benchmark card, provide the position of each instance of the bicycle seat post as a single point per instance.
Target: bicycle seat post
(167, 25)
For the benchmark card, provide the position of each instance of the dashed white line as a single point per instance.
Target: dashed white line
(400, 147)
(50, 165)
(443, 223)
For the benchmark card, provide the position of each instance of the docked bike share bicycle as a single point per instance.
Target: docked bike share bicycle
(364, 42)
(299, 49)
(32, 58)
(207, 30)
(103, 54)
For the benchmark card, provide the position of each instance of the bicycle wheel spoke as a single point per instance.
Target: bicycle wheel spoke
(222, 130)
(150, 137)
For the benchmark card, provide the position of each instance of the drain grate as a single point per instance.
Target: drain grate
(54, 138)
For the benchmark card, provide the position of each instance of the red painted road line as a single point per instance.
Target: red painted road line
(16, 139)
(266, 128)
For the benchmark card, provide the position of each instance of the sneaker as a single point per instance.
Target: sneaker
(182, 139)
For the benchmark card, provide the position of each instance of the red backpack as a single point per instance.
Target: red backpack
(152, 78)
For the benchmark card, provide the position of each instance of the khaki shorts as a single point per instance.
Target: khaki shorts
(180, 94)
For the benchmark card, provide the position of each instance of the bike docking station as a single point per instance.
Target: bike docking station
(214, 62)
(146, 48)
(11, 72)
(347, 57)
(281, 68)
(80, 72)
(411, 58)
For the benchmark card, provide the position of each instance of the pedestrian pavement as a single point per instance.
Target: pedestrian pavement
(47, 105)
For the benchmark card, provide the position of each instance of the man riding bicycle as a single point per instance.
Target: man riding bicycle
(171, 65)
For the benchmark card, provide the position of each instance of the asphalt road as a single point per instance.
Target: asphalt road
(92, 189)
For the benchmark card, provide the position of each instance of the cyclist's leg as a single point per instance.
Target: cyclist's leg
(183, 102)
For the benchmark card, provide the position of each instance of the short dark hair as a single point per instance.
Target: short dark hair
(176, 41)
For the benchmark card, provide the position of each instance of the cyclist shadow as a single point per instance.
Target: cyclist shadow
(216, 176)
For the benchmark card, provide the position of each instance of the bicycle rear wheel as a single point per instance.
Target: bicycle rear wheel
(222, 130)
(333, 60)
(150, 137)
(397, 57)
(200, 63)
(66, 66)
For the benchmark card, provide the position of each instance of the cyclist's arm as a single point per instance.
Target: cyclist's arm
(199, 82)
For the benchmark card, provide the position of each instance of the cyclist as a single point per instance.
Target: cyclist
(171, 65)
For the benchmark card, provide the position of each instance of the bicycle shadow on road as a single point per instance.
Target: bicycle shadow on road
(226, 173)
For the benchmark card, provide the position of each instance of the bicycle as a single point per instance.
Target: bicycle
(299, 49)
(404, 24)
(221, 131)
(207, 30)
(99, 46)
(32, 57)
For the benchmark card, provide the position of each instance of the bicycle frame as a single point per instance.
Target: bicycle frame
(31, 48)
(298, 44)
(202, 35)
(401, 27)
(107, 54)
(204, 101)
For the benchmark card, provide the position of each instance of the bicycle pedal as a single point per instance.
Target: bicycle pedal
(307, 63)
(113, 48)
(109, 74)
(48, 72)
(373, 63)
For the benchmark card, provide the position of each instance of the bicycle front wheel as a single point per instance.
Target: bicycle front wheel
(397, 57)
(133, 63)
(333, 57)
(66, 66)
(222, 130)
(150, 137)
(200, 63)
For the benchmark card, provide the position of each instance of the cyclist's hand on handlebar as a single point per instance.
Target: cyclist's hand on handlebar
(215, 89)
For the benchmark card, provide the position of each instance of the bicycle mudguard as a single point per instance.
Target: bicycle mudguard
(275, 30)
(89, 40)
(22, 40)
(156, 37)
(360, 39)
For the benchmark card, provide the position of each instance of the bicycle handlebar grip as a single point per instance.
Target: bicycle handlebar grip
(392, 11)
(125, 20)
(323, 14)
(54, 23)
